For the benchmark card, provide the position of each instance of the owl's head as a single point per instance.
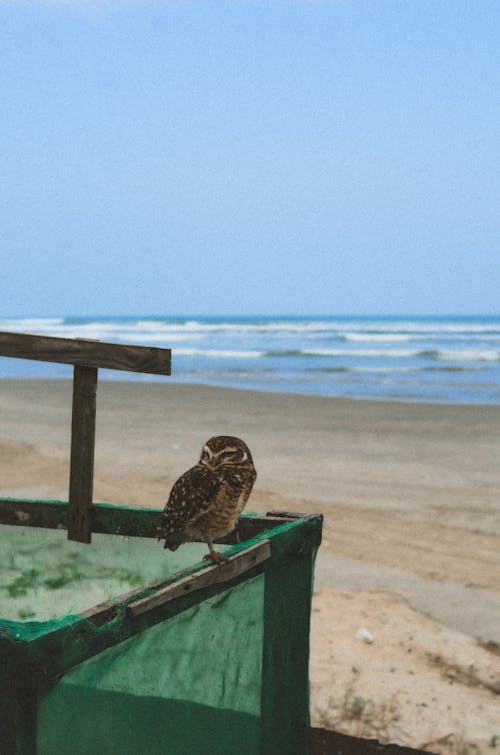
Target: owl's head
(225, 450)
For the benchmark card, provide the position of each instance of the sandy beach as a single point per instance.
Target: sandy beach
(411, 549)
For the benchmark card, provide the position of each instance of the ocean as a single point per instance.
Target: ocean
(434, 359)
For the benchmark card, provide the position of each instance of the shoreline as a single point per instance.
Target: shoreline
(158, 380)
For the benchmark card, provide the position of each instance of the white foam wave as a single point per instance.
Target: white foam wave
(376, 337)
(363, 330)
(470, 355)
(251, 327)
(31, 324)
(99, 331)
(221, 353)
(460, 355)
(365, 353)
(382, 370)
(157, 338)
(414, 327)
(350, 330)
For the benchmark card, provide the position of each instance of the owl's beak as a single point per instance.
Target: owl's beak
(209, 463)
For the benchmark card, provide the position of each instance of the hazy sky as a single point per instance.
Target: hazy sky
(234, 156)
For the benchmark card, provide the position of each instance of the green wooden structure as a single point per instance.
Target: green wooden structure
(197, 659)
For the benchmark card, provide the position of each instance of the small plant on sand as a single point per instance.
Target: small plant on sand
(360, 717)
(22, 583)
(451, 744)
(26, 613)
(65, 574)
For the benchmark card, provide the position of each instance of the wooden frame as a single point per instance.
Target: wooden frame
(129, 521)
(87, 357)
(36, 655)
(237, 564)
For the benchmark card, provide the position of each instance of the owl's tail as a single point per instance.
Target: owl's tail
(172, 542)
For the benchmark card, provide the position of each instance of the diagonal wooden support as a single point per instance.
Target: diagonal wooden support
(237, 564)
(81, 477)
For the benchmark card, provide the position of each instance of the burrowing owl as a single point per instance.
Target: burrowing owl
(205, 501)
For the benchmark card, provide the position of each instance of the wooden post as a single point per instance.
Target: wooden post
(82, 453)
(86, 356)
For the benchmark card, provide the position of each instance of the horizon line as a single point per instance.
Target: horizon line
(194, 315)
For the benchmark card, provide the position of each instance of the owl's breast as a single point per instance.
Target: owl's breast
(237, 485)
(221, 513)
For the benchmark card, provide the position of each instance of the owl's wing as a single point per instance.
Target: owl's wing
(190, 496)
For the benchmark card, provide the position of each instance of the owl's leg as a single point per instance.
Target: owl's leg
(213, 555)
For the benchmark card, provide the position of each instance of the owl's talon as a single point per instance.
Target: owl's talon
(216, 558)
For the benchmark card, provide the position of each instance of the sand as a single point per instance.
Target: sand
(411, 550)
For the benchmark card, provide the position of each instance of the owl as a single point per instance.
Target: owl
(205, 501)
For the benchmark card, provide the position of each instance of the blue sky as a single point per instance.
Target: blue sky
(234, 156)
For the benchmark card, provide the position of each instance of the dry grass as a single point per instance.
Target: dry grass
(360, 717)
(451, 744)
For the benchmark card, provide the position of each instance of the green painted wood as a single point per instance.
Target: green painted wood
(34, 655)
(285, 659)
(44, 650)
(235, 565)
(112, 519)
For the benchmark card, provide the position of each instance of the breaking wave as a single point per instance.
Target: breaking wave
(417, 358)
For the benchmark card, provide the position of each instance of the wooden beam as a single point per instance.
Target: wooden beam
(248, 527)
(112, 519)
(238, 564)
(82, 454)
(106, 611)
(85, 353)
(29, 513)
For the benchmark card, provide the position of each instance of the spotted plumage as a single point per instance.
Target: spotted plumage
(205, 501)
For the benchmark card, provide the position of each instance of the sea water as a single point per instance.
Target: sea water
(453, 359)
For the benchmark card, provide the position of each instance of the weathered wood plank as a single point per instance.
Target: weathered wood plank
(106, 611)
(112, 519)
(28, 513)
(86, 353)
(238, 564)
(125, 520)
(248, 527)
(81, 478)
